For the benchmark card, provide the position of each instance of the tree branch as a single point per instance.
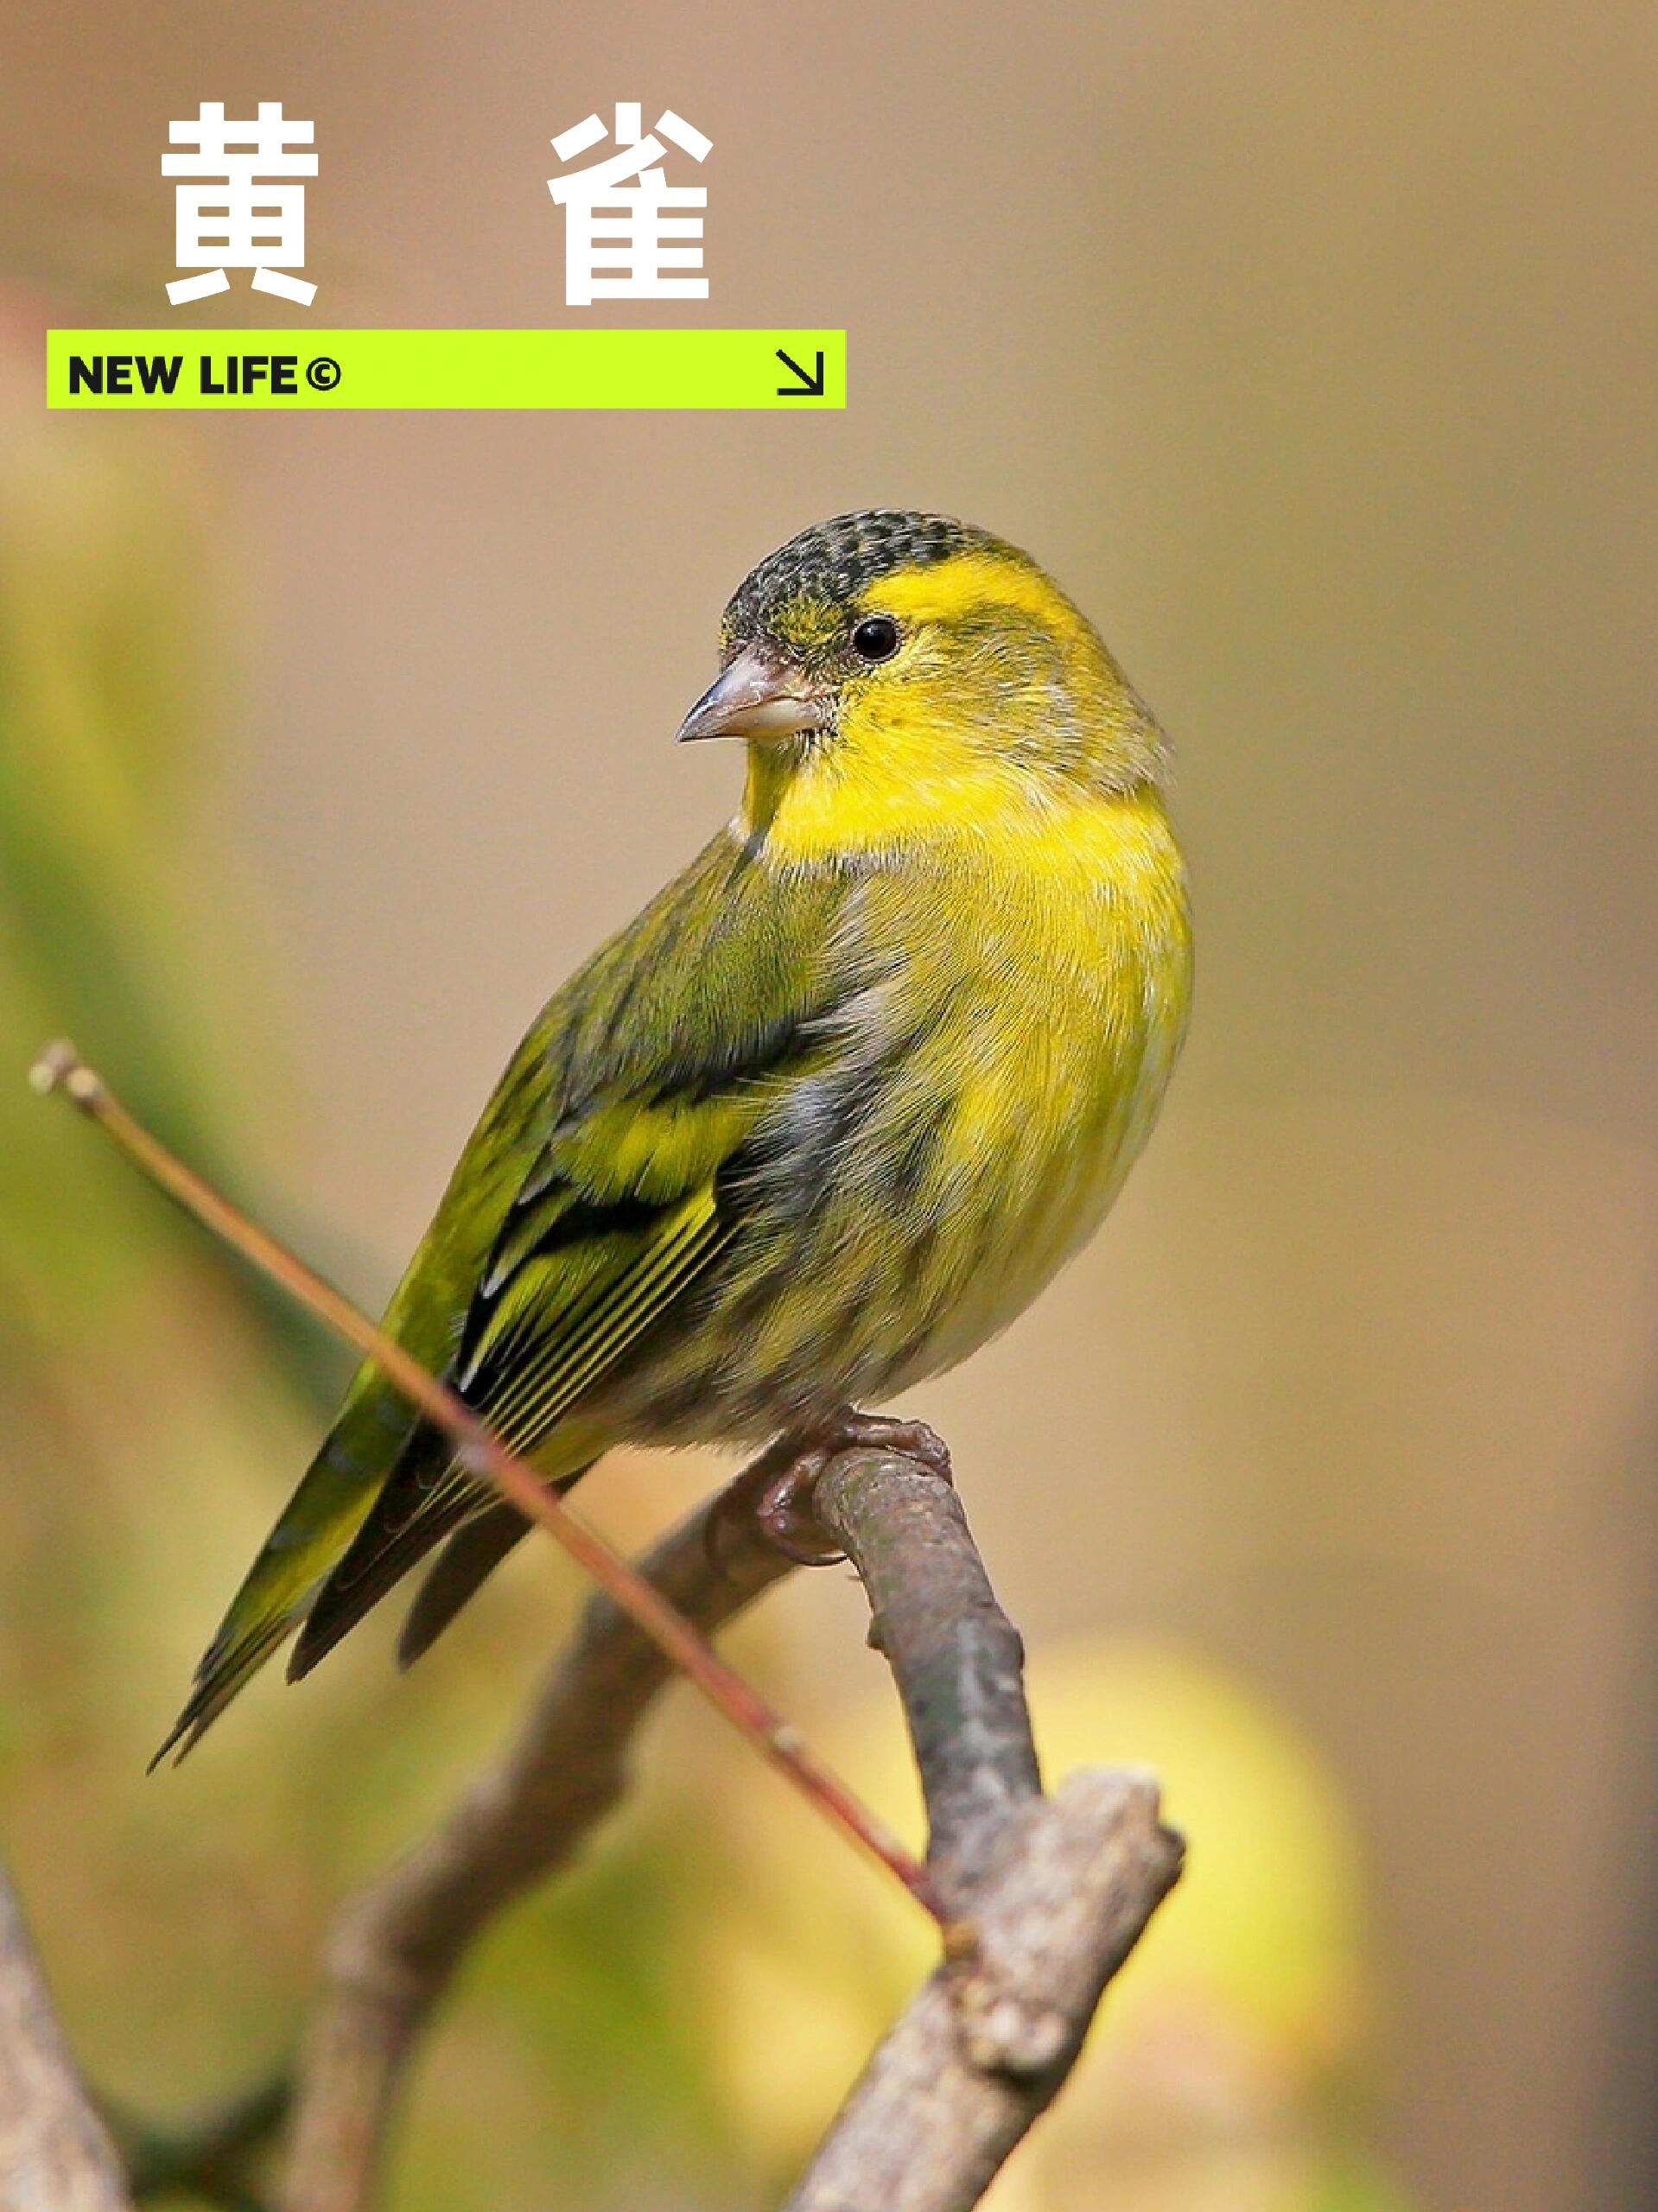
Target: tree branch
(1058, 1890)
(957, 1658)
(55, 2153)
(395, 1945)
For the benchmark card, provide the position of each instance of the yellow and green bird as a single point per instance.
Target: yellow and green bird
(828, 1114)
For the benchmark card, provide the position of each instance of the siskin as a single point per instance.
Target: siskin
(828, 1114)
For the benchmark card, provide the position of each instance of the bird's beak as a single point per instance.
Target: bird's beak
(762, 695)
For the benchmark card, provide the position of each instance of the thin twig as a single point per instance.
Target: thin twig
(55, 2155)
(395, 1946)
(61, 1069)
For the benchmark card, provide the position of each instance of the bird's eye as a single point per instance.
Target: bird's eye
(876, 638)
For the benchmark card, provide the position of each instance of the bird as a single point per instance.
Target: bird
(824, 1117)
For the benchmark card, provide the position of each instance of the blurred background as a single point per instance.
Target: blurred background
(1312, 347)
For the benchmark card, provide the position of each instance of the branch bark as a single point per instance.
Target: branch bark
(55, 2153)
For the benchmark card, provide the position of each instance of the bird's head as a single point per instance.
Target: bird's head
(896, 675)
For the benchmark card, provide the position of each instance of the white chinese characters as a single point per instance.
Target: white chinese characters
(243, 210)
(629, 234)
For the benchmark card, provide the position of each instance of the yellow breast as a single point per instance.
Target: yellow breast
(1028, 1022)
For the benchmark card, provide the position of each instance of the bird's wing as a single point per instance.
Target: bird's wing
(588, 1200)
(624, 1213)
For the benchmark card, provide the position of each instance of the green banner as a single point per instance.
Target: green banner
(581, 369)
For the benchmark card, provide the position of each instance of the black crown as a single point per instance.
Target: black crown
(838, 559)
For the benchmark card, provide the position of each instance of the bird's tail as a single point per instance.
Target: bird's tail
(224, 1670)
(374, 1430)
(471, 1553)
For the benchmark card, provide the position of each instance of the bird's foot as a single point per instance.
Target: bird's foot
(851, 1430)
(785, 1507)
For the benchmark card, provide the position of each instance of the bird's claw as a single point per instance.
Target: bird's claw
(784, 1511)
(784, 1507)
(914, 1439)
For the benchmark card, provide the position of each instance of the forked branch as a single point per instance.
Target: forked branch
(1057, 1890)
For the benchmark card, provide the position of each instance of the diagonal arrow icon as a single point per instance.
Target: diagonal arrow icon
(810, 386)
